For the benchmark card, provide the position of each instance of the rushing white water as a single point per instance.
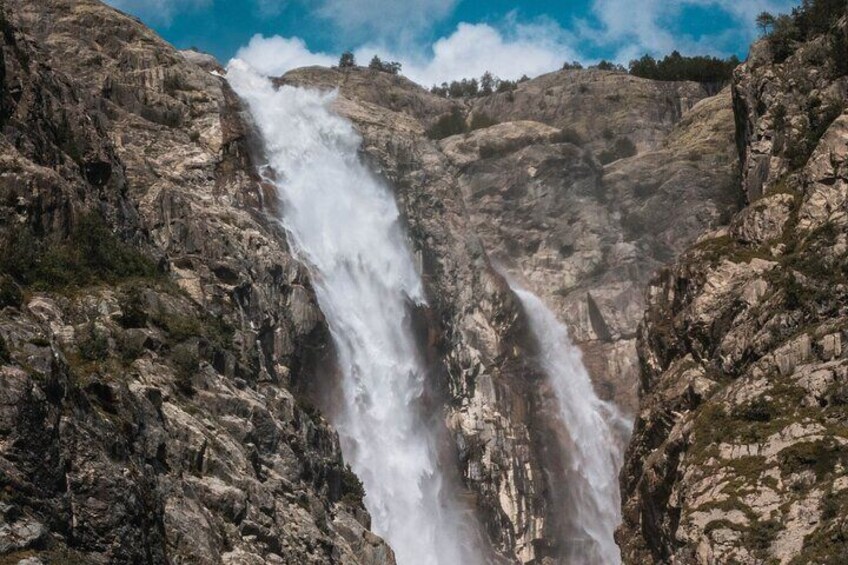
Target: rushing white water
(344, 224)
(596, 431)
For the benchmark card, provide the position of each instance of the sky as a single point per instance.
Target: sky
(443, 40)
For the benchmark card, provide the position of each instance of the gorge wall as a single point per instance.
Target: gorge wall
(155, 320)
(164, 363)
(739, 450)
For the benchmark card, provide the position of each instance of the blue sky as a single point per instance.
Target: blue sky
(445, 39)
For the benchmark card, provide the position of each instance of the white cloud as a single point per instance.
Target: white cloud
(469, 51)
(157, 10)
(271, 7)
(273, 56)
(512, 48)
(509, 52)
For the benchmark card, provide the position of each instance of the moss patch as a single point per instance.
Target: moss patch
(819, 456)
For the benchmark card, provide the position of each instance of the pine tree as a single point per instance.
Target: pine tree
(347, 60)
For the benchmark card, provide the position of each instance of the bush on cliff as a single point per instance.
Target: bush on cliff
(90, 254)
(391, 67)
(347, 60)
(473, 88)
(811, 19)
(621, 149)
(449, 124)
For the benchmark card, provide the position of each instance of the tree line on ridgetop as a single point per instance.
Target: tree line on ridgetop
(703, 69)
(348, 61)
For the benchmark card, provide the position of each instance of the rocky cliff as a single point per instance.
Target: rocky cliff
(153, 320)
(739, 452)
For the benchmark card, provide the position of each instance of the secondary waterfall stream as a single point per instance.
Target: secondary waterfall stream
(344, 224)
(595, 429)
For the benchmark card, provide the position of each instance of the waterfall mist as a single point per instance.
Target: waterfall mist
(343, 223)
(596, 434)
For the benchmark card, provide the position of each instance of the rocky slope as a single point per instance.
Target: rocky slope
(153, 320)
(739, 453)
(602, 107)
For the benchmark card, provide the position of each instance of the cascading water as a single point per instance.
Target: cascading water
(596, 431)
(344, 224)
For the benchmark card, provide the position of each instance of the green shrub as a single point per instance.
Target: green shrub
(569, 135)
(179, 327)
(133, 308)
(352, 488)
(186, 362)
(93, 344)
(347, 60)
(605, 65)
(710, 70)
(130, 349)
(10, 292)
(481, 120)
(761, 535)
(447, 125)
(621, 149)
(811, 19)
(91, 254)
(391, 67)
(819, 456)
(473, 88)
(172, 84)
(758, 410)
(218, 331)
(5, 355)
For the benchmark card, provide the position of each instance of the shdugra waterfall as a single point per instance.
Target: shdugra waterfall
(596, 430)
(344, 224)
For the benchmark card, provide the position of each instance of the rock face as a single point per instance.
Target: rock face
(741, 445)
(145, 404)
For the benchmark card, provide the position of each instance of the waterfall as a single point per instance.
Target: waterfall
(596, 432)
(343, 223)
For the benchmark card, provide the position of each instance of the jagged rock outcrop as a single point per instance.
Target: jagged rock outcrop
(741, 446)
(154, 322)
